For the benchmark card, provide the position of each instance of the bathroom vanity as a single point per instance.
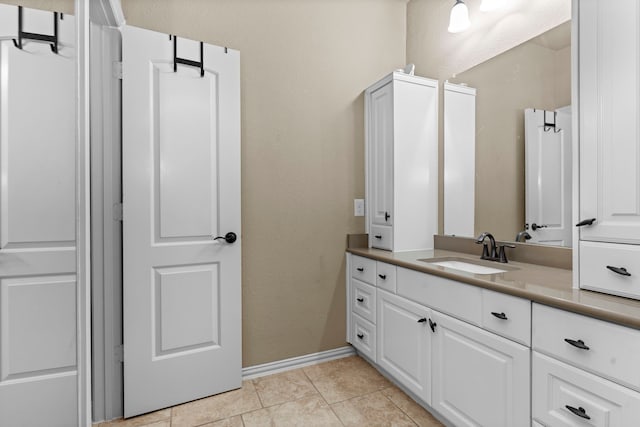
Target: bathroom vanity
(515, 348)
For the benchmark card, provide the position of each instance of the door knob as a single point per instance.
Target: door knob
(230, 237)
(535, 226)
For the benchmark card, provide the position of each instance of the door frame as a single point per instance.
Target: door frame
(83, 218)
(106, 390)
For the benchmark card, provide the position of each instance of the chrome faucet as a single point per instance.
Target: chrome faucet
(523, 236)
(492, 252)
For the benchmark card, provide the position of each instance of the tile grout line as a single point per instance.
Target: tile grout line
(322, 397)
(401, 410)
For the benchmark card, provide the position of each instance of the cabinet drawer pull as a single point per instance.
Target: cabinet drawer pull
(584, 222)
(579, 344)
(424, 319)
(579, 412)
(620, 270)
(360, 299)
(386, 216)
(382, 276)
(378, 236)
(432, 325)
(501, 316)
(360, 269)
(360, 336)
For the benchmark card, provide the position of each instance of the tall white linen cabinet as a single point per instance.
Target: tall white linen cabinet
(401, 149)
(609, 126)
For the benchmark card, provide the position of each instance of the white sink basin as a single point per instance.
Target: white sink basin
(468, 267)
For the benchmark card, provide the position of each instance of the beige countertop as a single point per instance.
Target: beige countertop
(546, 285)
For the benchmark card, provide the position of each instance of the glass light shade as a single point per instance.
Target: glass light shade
(459, 19)
(489, 5)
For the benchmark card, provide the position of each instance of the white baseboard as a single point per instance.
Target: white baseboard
(270, 368)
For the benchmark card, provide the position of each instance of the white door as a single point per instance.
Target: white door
(38, 288)
(548, 176)
(380, 134)
(609, 132)
(479, 379)
(403, 340)
(181, 188)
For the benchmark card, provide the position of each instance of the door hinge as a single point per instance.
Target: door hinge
(118, 353)
(117, 211)
(117, 70)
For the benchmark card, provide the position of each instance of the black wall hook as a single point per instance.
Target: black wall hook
(22, 35)
(177, 60)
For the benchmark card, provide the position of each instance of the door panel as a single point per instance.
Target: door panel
(548, 176)
(181, 188)
(38, 290)
(381, 137)
(609, 134)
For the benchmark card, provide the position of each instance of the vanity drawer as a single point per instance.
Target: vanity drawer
(556, 385)
(612, 349)
(363, 300)
(380, 236)
(447, 296)
(364, 337)
(363, 269)
(594, 274)
(386, 276)
(507, 315)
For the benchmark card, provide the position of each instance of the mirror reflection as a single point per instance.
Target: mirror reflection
(523, 173)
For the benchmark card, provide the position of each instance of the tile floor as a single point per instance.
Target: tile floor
(343, 392)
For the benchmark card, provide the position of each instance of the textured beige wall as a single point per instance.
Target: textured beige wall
(304, 66)
(527, 76)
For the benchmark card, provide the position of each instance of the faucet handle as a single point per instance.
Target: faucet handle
(502, 255)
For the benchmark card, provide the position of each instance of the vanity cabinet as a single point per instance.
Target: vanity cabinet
(609, 119)
(584, 370)
(404, 349)
(479, 378)
(401, 145)
(431, 337)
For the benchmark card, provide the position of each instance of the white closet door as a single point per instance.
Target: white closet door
(38, 289)
(548, 176)
(181, 188)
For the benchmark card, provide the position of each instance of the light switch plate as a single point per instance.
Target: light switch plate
(358, 207)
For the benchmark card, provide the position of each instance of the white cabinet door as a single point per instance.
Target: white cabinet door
(404, 343)
(38, 288)
(479, 379)
(181, 179)
(609, 133)
(380, 137)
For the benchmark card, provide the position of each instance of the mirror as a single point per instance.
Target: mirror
(533, 75)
